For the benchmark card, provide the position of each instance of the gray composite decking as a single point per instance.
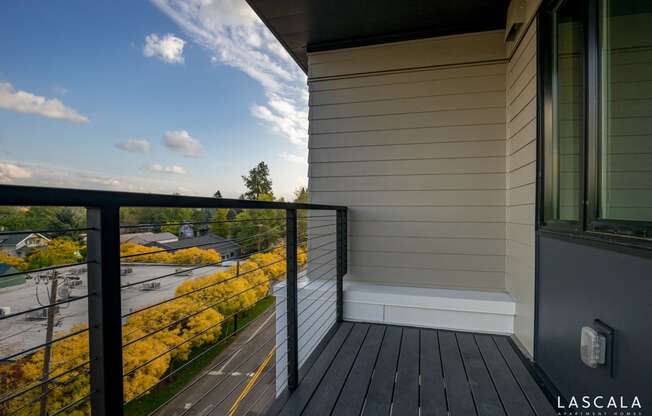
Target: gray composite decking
(370, 369)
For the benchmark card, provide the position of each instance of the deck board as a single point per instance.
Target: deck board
(433, 394)
(406, 389)
(458, 390)
(331, 385)
(379, 397)
(373, 369)
(486, 398)
(514, 402)
(355, 389)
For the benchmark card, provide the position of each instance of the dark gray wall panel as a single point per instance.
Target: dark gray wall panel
(577, 284)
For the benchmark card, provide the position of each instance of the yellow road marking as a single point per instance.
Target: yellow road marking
(252, 381)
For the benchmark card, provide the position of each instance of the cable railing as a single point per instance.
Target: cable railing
(148, 322)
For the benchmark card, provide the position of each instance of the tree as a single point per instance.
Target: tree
(258, 229)
(58, 251)
(301, 195)
(257, 182)
(11, 260)
(217, 194)
(221, 226)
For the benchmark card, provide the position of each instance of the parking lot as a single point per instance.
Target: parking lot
(25, 331)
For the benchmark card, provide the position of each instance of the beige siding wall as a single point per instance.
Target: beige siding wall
(411, 136)
(521, 168)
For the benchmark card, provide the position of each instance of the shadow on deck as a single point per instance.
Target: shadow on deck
(374, 370)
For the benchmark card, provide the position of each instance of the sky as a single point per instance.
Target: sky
(156, 96)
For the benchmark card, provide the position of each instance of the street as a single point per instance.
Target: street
(215, 390)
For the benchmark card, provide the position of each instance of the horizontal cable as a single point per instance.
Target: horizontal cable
(187, 363)
(39, 384)
(323, 264)
(262, 375)
(215, 264)
(319, 329)
(304, 288)
(318, 308)
(45, 344)
(321, 245)
(200, 289)
(327, 320)
(131, 371)
(46, 269)
(321, 256)
(152, 225)
(314, 227)
(167, 250)
(194, 313)
(209, 391)
(72, 405)
(260, 395)
(61, 302)
(303, 299)
(67, 230)
(39, 397)
(317, 216)
(311, 315)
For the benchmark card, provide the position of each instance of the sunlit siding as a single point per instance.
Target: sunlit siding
(521, 166)
(411, 136)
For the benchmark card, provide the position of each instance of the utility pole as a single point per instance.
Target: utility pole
(48, 347)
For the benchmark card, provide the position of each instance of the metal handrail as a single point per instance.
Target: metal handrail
(104, 286)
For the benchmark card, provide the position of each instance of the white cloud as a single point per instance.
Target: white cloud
(38, 173)
(135, 145)
(26, 102)
(181, 141)
(10, 171)
(168, 48)
(175, 169)
(236, 37)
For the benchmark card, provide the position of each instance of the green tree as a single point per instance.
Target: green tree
(301, 195)
(257, 182)
(258, 229)
(220, 226)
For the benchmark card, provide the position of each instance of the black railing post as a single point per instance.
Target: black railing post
(341, 247)
(292, 291)
(104, 310)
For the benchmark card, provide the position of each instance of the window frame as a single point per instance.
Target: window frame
(589, 223)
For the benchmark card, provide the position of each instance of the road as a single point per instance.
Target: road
(213, 392)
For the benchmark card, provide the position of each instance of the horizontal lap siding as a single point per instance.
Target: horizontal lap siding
(411, 137)
(521, 179)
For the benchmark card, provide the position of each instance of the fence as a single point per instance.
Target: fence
(136, 340)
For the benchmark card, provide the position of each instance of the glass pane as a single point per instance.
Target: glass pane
(626, 150)
(568, 117)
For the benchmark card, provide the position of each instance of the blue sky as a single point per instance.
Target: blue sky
(161, 96)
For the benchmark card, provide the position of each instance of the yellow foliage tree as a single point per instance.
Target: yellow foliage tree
(196, 255)
(57, 251)
(272, 263)
(65, 389)
(14, 261)
(144, 254)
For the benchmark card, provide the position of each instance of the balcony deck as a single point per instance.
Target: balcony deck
(374, 370)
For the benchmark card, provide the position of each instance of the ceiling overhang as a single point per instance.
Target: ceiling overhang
(304, 26)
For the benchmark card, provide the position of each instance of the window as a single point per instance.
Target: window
(596, 113)
(626, 110)
(568, 85)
